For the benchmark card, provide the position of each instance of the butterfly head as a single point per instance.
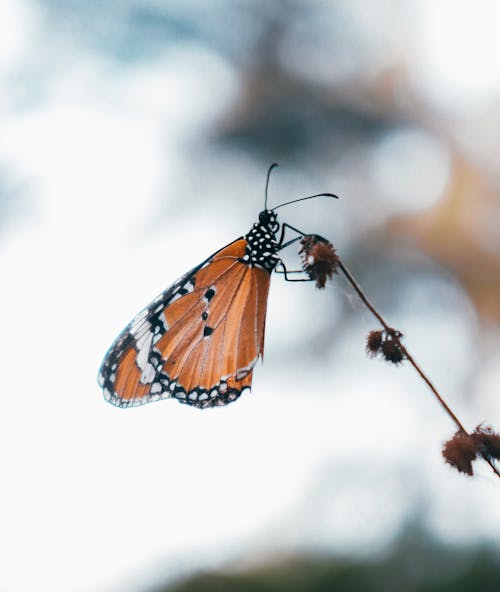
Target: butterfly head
(269, 220)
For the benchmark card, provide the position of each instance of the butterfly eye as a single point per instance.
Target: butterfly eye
(264, 217)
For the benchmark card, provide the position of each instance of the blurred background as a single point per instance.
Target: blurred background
(135, 136)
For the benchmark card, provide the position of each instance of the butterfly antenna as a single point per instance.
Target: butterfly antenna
(304, 198)
(273, 166)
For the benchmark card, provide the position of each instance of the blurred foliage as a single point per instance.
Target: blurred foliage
(413, 566)
(460, 233)
(322, 86)
(282, 116)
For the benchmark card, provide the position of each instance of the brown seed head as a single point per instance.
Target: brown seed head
(319, 259)
(373, 343)
(460, 451)
(487, 442)
(392, 351)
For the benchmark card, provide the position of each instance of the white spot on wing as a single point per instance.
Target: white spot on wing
(163, 320)
(242, 372)
(148, 374)
(143, 349)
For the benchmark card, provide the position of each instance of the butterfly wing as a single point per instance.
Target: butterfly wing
(198, 341)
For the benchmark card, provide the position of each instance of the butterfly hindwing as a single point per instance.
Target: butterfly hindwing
(198, 341)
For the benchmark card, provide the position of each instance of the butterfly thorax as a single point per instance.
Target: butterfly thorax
(262, 245)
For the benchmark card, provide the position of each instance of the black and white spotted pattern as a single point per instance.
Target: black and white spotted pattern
(262, 245)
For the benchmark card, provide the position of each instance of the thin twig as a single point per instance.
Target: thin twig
(492, 465)
(433, 389)
(395, 334)
(362, 295)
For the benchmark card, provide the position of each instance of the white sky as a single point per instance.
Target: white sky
(98, 498)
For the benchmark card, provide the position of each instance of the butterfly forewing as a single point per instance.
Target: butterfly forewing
(198, 341)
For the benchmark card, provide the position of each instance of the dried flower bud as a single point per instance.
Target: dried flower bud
(391, 350)
(374, 342)
(319, 259)
(387, 343)
(460, 451)
(487, 442)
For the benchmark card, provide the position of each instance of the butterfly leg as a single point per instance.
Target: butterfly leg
(286, 272)
(301, 234)
(284, 226)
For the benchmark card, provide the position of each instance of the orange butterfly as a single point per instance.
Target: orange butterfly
(199, 340)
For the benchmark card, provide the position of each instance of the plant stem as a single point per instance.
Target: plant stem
(407, 355)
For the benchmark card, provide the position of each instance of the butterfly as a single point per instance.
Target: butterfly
(199, 340)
